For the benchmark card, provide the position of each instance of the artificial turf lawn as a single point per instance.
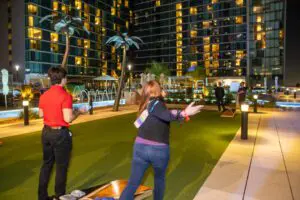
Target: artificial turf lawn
(102, 152)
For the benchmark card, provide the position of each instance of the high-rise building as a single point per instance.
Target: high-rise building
(222, 38)
(39, 47)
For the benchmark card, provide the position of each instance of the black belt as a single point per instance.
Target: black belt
(55, 127)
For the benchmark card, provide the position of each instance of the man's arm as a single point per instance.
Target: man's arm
(41, 113)
(70, 115)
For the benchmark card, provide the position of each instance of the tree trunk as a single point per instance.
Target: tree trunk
(118, 96)
(66, 55)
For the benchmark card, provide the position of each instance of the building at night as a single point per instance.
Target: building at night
(223, 38)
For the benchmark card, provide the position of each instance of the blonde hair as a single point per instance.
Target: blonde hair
(151, 89)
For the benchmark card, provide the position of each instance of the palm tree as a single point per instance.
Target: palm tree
(157, 69)
(123, 42)
(67, 26)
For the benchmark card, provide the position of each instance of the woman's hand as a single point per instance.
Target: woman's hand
(192, 110)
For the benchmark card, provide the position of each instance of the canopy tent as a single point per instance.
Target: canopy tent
(105, 78)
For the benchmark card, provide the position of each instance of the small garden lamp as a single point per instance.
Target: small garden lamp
(26, 112)
(255, 97)
(244, 122)
(129, 68)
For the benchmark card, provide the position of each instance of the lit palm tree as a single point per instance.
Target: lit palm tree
(124, 42)
(67, 26)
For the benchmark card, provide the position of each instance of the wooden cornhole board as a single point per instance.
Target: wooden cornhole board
(114, 190)
(229, 112)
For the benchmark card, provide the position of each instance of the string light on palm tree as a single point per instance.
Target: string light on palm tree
(123, 42)
(67, 26)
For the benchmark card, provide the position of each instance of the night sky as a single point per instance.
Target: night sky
(293, 43)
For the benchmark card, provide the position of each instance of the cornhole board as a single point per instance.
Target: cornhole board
(114, 190)
(229, 112)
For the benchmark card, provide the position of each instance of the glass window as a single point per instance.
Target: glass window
(206, 24)
(239, 20)
(32, 9)
(86, 44)
(55, 5)
(157, 3)
(193, 10)
(178, 6)
(54, 37)
(206, 40)
(30, 21)
(193, 33)
(113, 11)
(34, 33)
(239, 2)
(78, 4)
(78, 60)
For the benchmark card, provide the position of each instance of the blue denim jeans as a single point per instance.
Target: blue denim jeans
(143, 156)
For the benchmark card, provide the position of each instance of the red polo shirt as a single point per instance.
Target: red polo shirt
(52, 102)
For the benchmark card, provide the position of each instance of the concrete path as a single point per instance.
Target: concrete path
(18, 128)
(265, 167)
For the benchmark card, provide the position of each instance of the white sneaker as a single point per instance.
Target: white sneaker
(67, 197)
(77, 193)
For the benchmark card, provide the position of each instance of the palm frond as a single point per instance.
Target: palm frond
(71, 30)
(46, 18)
(118, 44)
(137, 38)
(85, 29)
(114, 39)
(59, 26)
(132, 43)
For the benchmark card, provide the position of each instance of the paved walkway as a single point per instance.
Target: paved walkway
(265, 167)
(18, 128)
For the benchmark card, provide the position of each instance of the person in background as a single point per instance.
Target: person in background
(55, 106)
(242, 93)
(151, 145)
(220, 93)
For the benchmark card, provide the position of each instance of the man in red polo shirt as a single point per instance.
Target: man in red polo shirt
(55, 107)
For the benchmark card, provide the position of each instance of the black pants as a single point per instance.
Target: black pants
(220, 103)
(57, 145)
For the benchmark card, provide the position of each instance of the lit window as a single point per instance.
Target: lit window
(239, 20)
(113, 11)
(54, 47)
(32, 9)
(239, 54)
(214, 1)
(78, 60)
(258, 19)
(86, 8)
(98, 12)
(126, 3)
(209, 8)
(215, 63)
(97, 20)
(113, 50)
(206, 40)
(119, 1)
(237, 62)
(179, 58)
(34, 44)
(178, 28)
(87, 25)
(64, 9)
(193, 33)
(157, 3)
(215, 47)
(206, 48)
(78, 4)
(127, 24)
(206, 56)
(103, 31)
(178, 21)
(281, 34)
(86, 44)
(258, 28)
(257, 9)
(34, 33)
(55, 5)
(85, 52)
(239, 2)
(193, 11)
(54, 37)
(79, 42)
(194, 63)
(258, 36)
(178, 14)
(178, 6)
(206, 24)
(207, 64)
(30, 21)
(179, 43)
(179, 51)
(10, 36)
(179, 36)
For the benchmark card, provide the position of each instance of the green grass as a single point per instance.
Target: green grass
(102, 152)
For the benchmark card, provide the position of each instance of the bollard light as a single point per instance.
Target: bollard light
(91, 109)
(255, 97)
(244, 121)
(25, 104)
